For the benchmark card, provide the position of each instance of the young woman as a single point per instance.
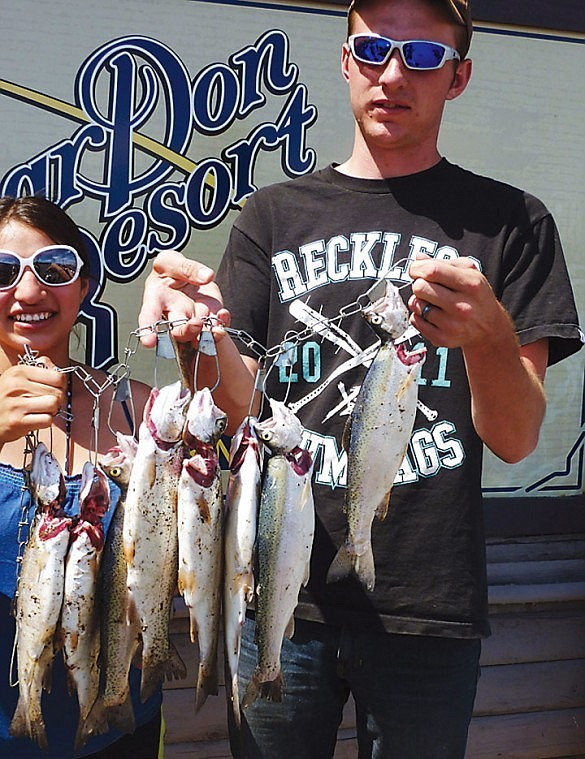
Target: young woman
(44, 274)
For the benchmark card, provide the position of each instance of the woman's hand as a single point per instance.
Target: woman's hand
(30, 396)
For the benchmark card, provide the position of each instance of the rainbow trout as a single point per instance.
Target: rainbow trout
(286, 526)
(79, 626)
(40, 595)
(376, 435)
(242, 502)
(200, 522)
(119, 637)
(150, 532)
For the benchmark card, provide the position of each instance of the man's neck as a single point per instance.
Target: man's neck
(364, 163)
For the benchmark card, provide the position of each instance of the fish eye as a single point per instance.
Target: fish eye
(115, 471)
(376, 319)
(221, 425)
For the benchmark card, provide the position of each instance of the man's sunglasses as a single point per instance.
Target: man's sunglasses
(420, 55)
(54, 265)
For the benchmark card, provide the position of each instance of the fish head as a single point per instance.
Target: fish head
(283, 431)
(47, 481)
(165, 412)
(94, 492)
(244, 442)
(388, 315)
(205, 421)
(117, 461)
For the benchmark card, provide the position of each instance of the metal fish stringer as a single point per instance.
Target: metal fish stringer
(206, 347)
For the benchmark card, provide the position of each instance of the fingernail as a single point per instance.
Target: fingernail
(204, 273)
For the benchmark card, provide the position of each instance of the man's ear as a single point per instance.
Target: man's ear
(345, 56)
(460, 79)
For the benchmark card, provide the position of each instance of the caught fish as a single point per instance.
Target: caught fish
(200, 523)
(241, 517)
(120, 638)
(40, 595)
(150, 532)
(80, 619)
(376, 435)
(286, 526)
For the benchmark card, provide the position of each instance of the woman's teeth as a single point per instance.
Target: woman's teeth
(32, 317)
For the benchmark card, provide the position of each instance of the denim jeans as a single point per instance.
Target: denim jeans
(413, 694)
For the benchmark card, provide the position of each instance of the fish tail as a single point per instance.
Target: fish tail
(207, 682)
(171, 668)
(175, 668)
(151, 676)
(346, 562)
(121, 716)
(365, 569)
(268, 689)
(28, 722)
(95, 724)
(342, 565)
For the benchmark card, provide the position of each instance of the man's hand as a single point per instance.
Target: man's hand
(453, 304)
(179, 288)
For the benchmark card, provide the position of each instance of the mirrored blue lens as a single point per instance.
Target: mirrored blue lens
(9, 269)
(56, 266)
(423, 55)
(372, 49)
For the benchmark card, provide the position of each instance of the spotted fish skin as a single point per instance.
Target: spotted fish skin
(286, 527)
(377, 435)
(79, 626)
(120, 639)
(200, 523)
(40, 595)
(242, 503)
(150, 532)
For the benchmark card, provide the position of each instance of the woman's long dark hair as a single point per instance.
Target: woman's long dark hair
(40, 213)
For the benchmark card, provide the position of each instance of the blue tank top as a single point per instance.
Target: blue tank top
(59, 708)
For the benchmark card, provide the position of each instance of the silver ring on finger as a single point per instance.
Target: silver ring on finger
(425, 311)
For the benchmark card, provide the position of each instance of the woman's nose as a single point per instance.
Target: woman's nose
(28, 285)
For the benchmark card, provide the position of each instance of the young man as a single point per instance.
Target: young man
(482, 296)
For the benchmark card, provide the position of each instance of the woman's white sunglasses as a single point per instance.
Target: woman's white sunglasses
(53, 265)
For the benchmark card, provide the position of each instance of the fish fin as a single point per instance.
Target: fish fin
(207, 682)
(95, 724)
(307, 574)
(193, 628)
(290, 628)
(270, 690)
(306, 498)
(150, 471)
(346, 434)
(121, 716)
(234, 696)
(382, 508)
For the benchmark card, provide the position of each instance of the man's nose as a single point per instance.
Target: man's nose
(393, 69)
